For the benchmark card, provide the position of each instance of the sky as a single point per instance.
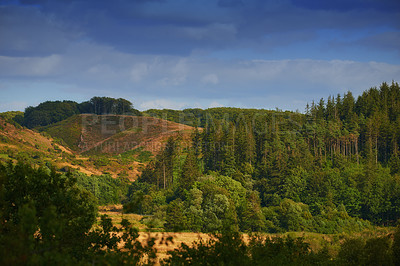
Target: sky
(180, 54)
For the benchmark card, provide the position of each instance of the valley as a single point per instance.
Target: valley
(321, 185)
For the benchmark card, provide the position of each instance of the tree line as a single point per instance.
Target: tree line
(50, 112)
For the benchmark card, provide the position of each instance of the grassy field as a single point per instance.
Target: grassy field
(162, 246)
(317, 241)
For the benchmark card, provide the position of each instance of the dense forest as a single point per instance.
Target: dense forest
(51, 112)
(333, 169)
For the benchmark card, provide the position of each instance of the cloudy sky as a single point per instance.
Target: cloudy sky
(195, 53)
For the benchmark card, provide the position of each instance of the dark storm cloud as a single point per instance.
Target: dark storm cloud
(346, 5)
(388, 41)
(230, 3)
(180, 27)
(26, 31)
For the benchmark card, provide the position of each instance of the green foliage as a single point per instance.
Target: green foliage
(230, 249)
(144, 156)
(160, 172)
(250, 214)
(100, 161)
(396, 246)
(13, 117)
(47, 220)
(143, 198)
(107, 105)
(293, 216)
(42, 195)
(4, 139)
(190, 171)
(176, 219)
(119, 245)
(351, 251)
(106, 189)
(334, 169)
(69, 137)
(50, 112)
(137, 154)
(373, 251)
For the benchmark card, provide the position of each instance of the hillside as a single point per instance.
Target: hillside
(18, 143)
(22, 139)
(115, 134)
(118, 145)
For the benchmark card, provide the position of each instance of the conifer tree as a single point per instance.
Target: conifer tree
(190, 171)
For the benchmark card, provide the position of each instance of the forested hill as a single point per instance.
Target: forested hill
(276, 171)
(341, 124)
(347, 109)
(50, 112)
(203, 117)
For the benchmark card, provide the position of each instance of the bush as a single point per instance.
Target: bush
(45, 219)
(106, 189)
(229, 248)
(100, 161)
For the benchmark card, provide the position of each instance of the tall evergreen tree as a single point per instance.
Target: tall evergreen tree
(190, 170)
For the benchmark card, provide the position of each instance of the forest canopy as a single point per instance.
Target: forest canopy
(50, 112)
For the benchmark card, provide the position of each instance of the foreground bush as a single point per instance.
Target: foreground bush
(45, 219)
(231, 249)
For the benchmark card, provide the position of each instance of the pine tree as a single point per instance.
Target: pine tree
(347, 107)
(190, 171)
(330, 109)
(251, 146)
(196, 142)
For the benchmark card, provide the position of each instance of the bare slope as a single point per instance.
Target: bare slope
(115, 134)
(18, 143)
(24, 139)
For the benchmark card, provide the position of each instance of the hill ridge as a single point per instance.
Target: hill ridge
(113, 134)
